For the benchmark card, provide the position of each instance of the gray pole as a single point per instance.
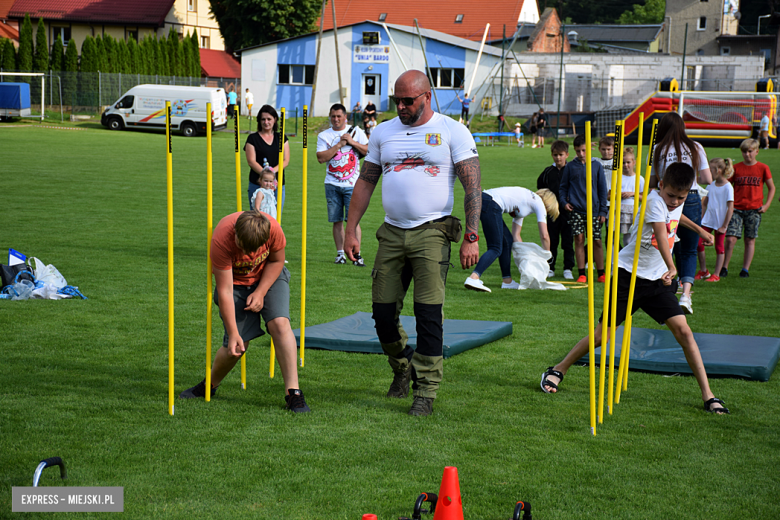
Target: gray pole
(427, 68)
(336, 39)
(317, 59)
(560, 86)
(501, 93)
(685, 49)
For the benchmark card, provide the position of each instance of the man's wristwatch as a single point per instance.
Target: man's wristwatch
(471, 237)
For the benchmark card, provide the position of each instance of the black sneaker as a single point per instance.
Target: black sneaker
(744, 274)
(340, 259)
(358, 261)
(296, 402)
(198, 390)
(422, 406)
(724, 272)
(399, 388)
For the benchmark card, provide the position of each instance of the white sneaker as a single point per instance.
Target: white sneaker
(567, 274)
(340, 259)
(686, 304)
(511, 285)
(476, 285)
(550, 274)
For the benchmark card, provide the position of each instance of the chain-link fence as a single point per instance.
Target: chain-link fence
(89, 92)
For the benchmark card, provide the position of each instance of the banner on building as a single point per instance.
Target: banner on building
(371, 54)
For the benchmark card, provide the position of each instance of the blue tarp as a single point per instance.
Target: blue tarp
(14, 96)
(356, 334)
(751, 357)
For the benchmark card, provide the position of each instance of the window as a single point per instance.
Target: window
(125, 102)
(725, 51)
(447, 78)
(192, 5)
(459, 18)
(383, 17)
(296, 74)
(204, 42)
(64, 32)
(701, 24)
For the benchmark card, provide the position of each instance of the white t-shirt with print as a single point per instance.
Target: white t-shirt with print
(670, 157)
(628, 183)
(418, 165)
(718, 198)
(343, 169)
(651, 264)
(519, 203)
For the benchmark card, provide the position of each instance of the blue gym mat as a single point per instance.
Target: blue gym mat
(356, 333)
(751, 357)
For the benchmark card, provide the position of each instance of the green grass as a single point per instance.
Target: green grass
(87, 380)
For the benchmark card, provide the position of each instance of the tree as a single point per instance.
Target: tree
(71, 68)
(88, 82)
(123, 57)
(57, 58)
(243, 23)
(135, 62)
(41, 57)
(24, 56)
(195, 58)
(172, 52)
(652, 11)
(111, 56)
(101, 60)
(186, 54)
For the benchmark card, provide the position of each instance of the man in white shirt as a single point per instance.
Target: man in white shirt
(341, 148)
(249, 100)
(764, 131)
(420, 153)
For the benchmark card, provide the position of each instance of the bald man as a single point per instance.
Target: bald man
(420, 153)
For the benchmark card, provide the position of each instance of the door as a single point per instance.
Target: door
(125, 108)
(372, 90)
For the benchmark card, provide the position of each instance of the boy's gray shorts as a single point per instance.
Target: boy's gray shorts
(276, 304)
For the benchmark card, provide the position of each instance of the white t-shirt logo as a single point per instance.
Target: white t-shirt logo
(344, 164)
(412, 162)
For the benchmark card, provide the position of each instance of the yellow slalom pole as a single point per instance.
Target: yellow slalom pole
(591, 311)
(209, 229)
(638, 165)
(625, 352)
(238, 208)
(617, 171)
(169, 166)
(608, 268)
(279, 192)
(303, 232)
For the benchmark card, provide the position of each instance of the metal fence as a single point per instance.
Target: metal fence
(89, 92)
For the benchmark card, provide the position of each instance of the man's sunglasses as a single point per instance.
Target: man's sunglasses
(407, 101)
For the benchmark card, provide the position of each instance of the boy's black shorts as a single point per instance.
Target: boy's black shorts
(659, 301)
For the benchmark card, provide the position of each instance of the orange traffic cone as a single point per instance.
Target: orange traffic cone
(450, 504)
(369, 517)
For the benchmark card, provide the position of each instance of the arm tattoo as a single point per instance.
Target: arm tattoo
(470, 176)
(371, 172)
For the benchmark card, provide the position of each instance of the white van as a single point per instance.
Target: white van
(143, 106)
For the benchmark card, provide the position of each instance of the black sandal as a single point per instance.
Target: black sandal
(547, 373)
(709, 408)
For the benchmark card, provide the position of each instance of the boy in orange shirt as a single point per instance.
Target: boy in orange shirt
(748, 180)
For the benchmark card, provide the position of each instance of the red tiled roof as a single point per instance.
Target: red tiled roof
(440, 17)
(6, 31)
(219, 64)
(142, 12)
(5, 6)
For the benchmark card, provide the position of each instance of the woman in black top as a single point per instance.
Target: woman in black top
(263, 146)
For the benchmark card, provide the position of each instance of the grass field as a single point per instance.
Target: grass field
(86, 380)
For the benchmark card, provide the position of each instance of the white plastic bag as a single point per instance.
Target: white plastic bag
(47, 274)
(531, 261)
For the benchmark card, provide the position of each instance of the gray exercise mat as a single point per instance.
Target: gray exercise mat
(751, 357)
(356, 333)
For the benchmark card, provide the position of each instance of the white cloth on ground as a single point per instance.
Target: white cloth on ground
(531, 261)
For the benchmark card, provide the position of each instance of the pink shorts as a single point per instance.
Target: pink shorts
(719, 248)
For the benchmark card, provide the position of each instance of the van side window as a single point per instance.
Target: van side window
(126, 102)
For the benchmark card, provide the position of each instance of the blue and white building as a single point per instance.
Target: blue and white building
(372, 55)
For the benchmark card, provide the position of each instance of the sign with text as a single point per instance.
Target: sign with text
(68, 499)
(371, 54)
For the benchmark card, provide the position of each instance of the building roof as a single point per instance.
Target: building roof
(439, 17)
(5, 6)
(426, 33)
(6, 31)
(115, 12)
(219, 64)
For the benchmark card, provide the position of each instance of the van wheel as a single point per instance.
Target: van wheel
(188, 130)
(115, 123)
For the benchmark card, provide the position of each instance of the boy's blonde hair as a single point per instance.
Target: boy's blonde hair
(748, 144)
(253, 230)
(609, 141)
(726, 165)
(550, 203)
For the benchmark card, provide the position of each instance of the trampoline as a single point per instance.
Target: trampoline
(750, 357)
(356, 333)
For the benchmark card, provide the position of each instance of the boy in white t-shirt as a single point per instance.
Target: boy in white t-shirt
(655, 282)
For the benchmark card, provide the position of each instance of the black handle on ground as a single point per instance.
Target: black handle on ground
(522, 507)
(46, 463)
(432, 498)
